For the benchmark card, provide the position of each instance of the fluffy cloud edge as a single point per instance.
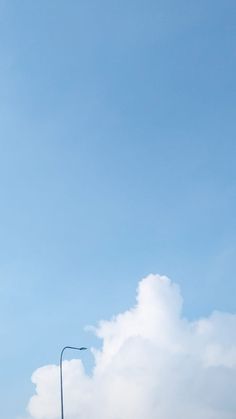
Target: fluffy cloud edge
(152, 362)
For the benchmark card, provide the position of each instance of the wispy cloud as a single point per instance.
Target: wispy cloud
(153, 363)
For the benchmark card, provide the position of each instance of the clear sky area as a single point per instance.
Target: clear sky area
(117, 160)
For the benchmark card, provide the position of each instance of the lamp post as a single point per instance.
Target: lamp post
(61, 378)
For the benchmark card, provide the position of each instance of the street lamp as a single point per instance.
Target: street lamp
(61, 381)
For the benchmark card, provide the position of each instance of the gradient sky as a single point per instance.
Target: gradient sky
(117, 159)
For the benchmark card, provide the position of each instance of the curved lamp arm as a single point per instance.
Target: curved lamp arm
(61, 377)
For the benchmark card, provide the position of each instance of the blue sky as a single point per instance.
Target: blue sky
(117, 159)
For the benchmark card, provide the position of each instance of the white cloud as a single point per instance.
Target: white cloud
(153, 363)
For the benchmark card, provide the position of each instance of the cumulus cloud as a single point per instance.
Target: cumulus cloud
(153, 363)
